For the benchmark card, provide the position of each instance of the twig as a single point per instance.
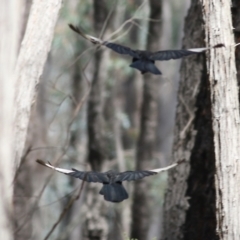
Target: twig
(78, 108)
(65, 210)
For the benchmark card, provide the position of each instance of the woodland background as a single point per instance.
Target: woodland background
(91, 111)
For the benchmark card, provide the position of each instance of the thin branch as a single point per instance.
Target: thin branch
(65, 210)
(78, 108)
(107, 20)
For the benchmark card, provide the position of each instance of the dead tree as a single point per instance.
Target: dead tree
(32, 56)
(189, 209)
(199, 201)
(225, 117)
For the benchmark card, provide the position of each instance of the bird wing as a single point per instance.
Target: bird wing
(85, 176)
(121, 49)
(115, 47)
(175, 54)
(135, 175)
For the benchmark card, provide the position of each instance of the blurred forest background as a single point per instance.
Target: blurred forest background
(100, 130)
(94, 112)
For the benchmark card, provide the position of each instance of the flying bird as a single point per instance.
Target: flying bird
(142, 60)
(112, 189)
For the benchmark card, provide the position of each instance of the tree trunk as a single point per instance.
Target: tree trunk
(9, 31)
(141, 211)
(95, 226)
(225, 116)
(33, 53)
(236, 26)
(189, 209)
(95, 103)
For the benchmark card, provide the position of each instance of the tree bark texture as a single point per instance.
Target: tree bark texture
(225, 116)
(236, 27)
(141, 210)
(200, 222)
(9, 31)
(189, 209)
(33, 53)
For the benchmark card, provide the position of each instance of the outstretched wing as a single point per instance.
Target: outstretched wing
(85, 176)
(121, 49)
(135, 175)
(115, 47)
(176, 54)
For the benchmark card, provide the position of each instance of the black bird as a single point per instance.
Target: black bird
(141, 59)
(112, 190)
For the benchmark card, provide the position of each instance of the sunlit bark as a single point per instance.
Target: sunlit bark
(9, 31)
(225, 116)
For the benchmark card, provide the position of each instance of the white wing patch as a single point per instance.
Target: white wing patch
(158, 170)
(61, 170)
(198, 49)
(66, 171)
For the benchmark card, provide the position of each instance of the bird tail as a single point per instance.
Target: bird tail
(114, 192)
(145, 66)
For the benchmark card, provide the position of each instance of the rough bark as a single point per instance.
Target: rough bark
(189, 201)
(141, 211)
(236, 26)
(33, 53)
(200, 220)
(225, 116)
(9, 18)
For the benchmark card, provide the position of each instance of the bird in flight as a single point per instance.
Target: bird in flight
(112, 189)
(143, 60)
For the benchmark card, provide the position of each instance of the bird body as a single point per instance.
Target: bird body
(114, 192)
(144, 60)
(112, 189)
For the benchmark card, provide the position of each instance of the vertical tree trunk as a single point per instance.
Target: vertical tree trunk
(95, 103)
(189, 209)
(9, 18)
(236, 26)
(95, 224)
(32, 56)
(33, 53)
(225, 116)
(141, 210)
